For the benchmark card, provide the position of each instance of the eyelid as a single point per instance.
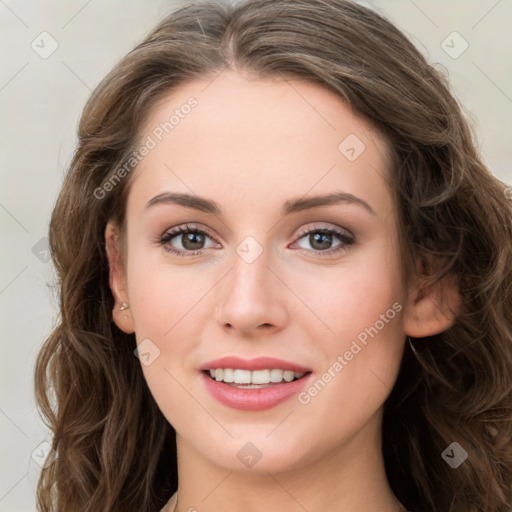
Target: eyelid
(324, 226)
(189, 226)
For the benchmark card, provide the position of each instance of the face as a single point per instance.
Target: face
(287, 259)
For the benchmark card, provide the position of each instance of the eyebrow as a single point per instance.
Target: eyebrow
(186, 200)
(289, 206)
(297, 205)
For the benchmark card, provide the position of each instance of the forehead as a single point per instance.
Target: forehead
(262, 137)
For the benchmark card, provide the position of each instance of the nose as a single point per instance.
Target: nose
(252, 299)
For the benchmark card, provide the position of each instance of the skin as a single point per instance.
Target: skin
(250, 145)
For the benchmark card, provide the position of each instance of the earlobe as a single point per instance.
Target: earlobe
(432, 309)
(121, 312)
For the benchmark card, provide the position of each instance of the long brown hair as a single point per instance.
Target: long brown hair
(115, 450)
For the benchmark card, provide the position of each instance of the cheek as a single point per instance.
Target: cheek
(362, 305)
(166, 305)
(352, 297)
(163, 298)
(170, 307)
(359, 370)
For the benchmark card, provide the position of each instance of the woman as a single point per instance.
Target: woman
(285, 277)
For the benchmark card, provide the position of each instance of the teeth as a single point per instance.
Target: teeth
(276, 375)
(229, 375)
(260, 377)
(288, 376)
(238, 376)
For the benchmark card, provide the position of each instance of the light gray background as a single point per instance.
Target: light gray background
(40, 103)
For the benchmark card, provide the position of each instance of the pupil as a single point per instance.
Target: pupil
(323, 240)
(193, 241)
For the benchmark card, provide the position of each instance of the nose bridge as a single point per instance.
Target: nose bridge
(250, 277)
(251, 297)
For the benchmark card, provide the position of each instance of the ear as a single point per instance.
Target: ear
(431, 308)
(117, 279)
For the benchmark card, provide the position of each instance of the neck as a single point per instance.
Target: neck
(351, 478)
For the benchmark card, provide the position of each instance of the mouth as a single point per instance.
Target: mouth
(253, 385)
(256, 379)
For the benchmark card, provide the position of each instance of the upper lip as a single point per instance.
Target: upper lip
(259, 363)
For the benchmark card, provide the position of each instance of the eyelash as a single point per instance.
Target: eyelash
(346, 240)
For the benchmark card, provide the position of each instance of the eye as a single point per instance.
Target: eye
(324, 240)
(186, 240)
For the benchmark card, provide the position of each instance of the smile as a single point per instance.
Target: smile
(254, 379)
(253, 385)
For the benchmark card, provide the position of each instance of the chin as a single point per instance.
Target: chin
(257, 455)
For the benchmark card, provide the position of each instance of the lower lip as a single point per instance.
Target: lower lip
(253, 399)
